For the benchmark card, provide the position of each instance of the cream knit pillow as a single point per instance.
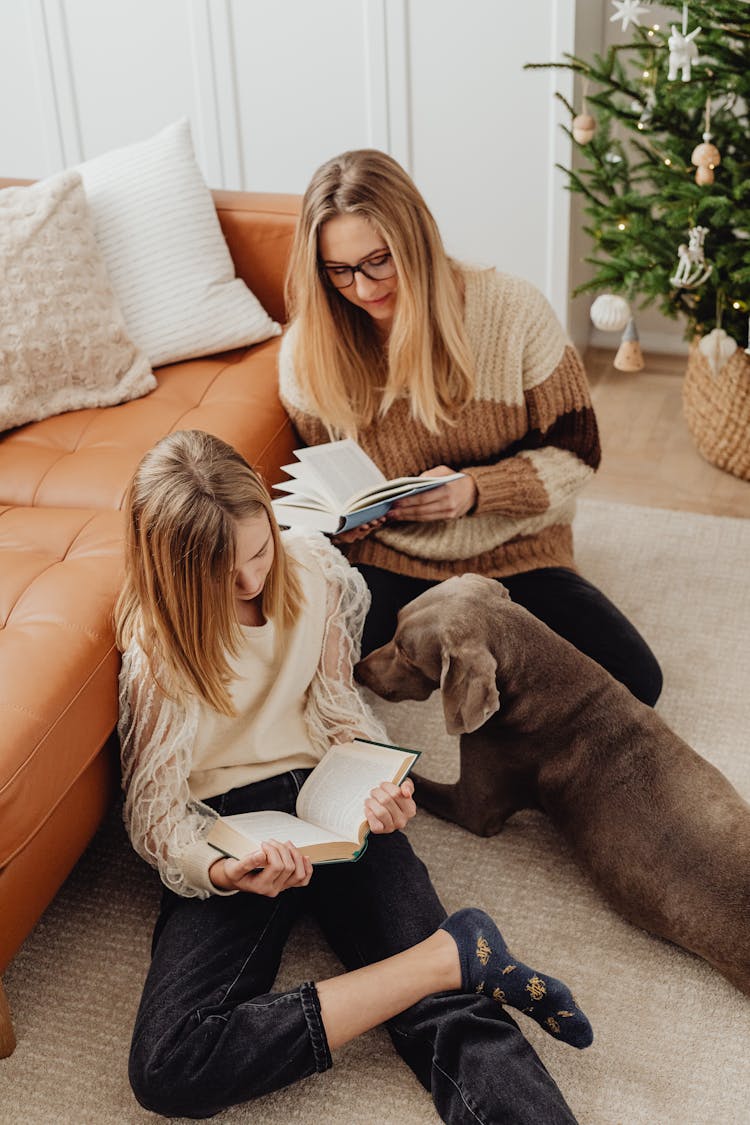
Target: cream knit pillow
(63, 341)
(166, 256)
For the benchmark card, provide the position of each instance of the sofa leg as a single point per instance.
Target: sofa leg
(7, 1037)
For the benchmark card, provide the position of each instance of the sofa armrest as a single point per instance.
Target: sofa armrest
(259, 228)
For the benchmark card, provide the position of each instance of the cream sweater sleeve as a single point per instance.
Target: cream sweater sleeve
(166, 827)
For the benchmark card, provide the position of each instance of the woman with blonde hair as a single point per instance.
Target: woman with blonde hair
(435, 367)
(238, 645)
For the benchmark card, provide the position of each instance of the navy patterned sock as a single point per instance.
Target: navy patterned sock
(488, 967)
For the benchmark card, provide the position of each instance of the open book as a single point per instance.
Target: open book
(330, 825)
(336, 486)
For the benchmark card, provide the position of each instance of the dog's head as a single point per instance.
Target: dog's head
(441, 641)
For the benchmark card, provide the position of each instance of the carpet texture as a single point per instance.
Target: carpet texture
(671, 1035)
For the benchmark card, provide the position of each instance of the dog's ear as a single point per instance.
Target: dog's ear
(468, 687)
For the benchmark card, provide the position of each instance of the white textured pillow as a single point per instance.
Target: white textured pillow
(169, 265)
(63, 341)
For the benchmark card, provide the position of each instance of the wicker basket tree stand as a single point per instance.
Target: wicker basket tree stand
(717, 409)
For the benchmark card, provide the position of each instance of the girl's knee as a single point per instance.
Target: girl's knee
(162, 1083)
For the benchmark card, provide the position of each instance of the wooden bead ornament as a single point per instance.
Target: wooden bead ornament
(584, 127)
(706, 156)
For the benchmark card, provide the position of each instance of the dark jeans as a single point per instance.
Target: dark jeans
(210, 1033)
(565, 601)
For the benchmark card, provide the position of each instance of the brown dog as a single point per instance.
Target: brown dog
(661, 831)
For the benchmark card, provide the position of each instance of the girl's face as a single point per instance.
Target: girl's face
(349, 240)
(253, 560)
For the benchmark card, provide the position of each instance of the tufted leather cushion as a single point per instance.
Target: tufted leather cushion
(86, 458)
(58, 664)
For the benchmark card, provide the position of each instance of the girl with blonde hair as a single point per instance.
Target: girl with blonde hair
(436, 367)
(236, 678)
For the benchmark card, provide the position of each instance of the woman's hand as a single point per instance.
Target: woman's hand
(446, 503)
(358, 532)
(274, 868)
(390, 807)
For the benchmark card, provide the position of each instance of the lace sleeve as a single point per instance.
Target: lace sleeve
(156, 737)
(336, 712)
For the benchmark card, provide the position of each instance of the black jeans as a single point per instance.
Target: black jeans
(559, 597)
(210, 1033)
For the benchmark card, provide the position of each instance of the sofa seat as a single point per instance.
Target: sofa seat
(62, 485)
(87, 457)
(56, 595)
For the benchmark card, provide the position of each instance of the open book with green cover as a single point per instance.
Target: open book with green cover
(336, 486)
(330, 825)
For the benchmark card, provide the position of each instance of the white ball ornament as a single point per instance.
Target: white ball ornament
(610, 313)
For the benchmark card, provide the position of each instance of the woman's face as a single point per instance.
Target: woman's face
(253, 559)
(349, 240)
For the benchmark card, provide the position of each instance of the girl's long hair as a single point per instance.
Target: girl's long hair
(177, 600)
(340, 362)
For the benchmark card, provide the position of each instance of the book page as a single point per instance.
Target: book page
(271, 825)
(339, 469)
(398, 489)
(290, 514)
(334, 794)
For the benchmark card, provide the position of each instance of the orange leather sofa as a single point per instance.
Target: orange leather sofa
(62, 485)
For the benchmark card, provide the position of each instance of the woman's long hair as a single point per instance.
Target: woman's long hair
(340, 362)
(182, 507)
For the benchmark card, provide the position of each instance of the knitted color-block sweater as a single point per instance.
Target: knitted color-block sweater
(529, 440)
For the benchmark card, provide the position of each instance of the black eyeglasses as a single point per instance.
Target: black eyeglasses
(378, 268)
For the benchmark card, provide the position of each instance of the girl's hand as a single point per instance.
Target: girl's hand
(274, 868)
(359, 532)
(446, 503)
(390, 807)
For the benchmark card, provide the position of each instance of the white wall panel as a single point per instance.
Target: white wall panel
(483, 132)
(275, 87)
(23, 141)
(302, 85)
(132, 68)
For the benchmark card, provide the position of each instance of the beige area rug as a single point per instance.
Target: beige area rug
(671, 1035)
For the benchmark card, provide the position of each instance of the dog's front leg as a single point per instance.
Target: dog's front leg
(484, 796)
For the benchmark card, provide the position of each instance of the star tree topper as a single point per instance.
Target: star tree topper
(629, 11)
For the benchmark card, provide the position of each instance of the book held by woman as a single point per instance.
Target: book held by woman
(336, 486)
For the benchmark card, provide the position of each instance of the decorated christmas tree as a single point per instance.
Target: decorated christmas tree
(663, 130)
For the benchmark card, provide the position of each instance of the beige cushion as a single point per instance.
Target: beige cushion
(170, 267)
(63, 341)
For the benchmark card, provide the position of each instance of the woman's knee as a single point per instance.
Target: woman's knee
(644, 677)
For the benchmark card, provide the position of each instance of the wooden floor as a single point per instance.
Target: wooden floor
(648, 455)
